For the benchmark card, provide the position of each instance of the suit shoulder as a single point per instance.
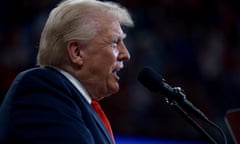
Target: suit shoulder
(38, 70)
(39, 73)
(41, 76)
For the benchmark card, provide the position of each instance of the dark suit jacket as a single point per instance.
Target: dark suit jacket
(42, 106)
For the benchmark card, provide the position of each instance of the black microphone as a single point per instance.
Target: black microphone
(154, 82)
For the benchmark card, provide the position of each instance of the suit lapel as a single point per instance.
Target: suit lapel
(102, 126)
(91, 111)
(97, 120)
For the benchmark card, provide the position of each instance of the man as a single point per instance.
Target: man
(81, 50)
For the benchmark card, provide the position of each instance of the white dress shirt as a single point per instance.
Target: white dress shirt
(76, 83)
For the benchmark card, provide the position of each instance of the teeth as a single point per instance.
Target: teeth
(117, 69)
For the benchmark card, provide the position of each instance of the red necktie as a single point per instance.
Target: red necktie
(96, 106)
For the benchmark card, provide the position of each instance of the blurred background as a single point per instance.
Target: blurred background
(193, 44)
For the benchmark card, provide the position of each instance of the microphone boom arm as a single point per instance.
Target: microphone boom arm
(177, 99)
(178, 109)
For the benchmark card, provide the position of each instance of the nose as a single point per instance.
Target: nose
(124, 54)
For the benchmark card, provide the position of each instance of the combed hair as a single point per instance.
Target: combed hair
(74, 19)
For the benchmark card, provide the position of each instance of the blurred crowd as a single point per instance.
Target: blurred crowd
(193, 44)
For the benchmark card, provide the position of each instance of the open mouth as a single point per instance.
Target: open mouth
(116, 73)
(117, 70)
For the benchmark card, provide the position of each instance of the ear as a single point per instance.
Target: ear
(74, 50)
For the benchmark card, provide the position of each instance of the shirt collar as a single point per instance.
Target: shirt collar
(76, 83)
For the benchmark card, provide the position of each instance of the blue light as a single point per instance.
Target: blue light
(141, 140)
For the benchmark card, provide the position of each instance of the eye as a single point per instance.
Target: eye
(115, 43)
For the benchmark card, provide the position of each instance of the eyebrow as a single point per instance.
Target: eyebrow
(124, 35)
(120, 36)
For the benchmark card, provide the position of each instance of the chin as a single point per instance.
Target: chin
(114, 89)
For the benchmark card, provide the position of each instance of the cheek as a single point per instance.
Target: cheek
(109, 60)
(112, 85)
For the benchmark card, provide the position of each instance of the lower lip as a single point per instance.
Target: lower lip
(116, 76)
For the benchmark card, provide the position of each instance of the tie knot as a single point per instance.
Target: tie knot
(96, 105)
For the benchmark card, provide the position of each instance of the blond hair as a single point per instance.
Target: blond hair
(74, 19)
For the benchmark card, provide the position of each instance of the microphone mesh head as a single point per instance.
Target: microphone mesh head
(150, 79)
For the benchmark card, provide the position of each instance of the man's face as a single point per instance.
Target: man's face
(104, 57)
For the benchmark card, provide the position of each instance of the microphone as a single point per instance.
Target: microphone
(154, 82)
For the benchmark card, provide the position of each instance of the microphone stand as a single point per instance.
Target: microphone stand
(179, 109)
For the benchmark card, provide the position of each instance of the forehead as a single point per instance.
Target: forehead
(114, 29)
(117, 30)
